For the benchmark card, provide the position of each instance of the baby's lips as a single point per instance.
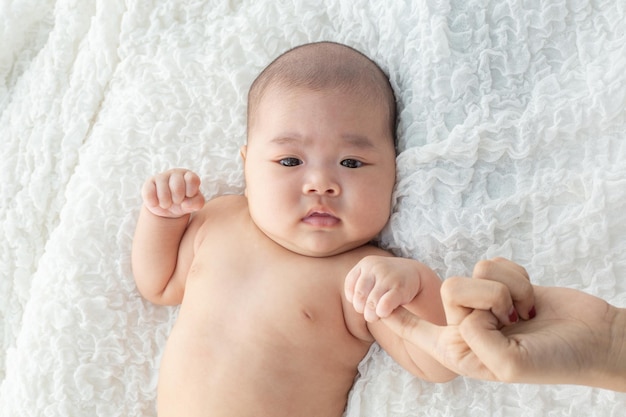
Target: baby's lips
(321, 219)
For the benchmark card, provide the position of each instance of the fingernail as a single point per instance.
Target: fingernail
(513, 317)
(532, 313)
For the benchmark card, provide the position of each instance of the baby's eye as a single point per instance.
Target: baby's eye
(290, 162)
(351, 163)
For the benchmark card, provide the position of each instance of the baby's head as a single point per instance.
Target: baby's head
(325, 66)
(320, 156)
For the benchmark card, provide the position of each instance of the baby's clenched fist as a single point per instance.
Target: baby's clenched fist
(173, 194)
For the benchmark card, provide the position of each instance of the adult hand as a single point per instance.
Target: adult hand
(574, 338)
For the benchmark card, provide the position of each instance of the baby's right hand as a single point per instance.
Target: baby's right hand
(173, 194)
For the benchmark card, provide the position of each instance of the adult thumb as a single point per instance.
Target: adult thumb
(498, 353)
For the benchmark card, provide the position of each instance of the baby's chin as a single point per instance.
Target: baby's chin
(323, 251)
(317, 245)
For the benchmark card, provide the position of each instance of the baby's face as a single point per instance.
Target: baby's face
(320, 169)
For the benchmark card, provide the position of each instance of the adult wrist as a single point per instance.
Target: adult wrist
(620, 330)
(616, 355)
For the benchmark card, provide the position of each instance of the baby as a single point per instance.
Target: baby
(281, 290)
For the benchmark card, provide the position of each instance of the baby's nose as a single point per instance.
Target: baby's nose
(322, 184)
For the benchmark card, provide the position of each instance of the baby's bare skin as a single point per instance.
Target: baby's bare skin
(273, 335)
(281, 292)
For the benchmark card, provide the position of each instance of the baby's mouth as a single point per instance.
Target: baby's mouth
(320, 219)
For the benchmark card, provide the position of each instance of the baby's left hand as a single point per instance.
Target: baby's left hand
(377, 285)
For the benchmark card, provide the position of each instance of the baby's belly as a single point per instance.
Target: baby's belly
(251, 367)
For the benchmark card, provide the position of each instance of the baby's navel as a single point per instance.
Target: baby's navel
(307, 315)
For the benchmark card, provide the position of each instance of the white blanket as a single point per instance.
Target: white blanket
(511, 142)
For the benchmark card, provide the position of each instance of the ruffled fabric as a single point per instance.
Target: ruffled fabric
(511, 143)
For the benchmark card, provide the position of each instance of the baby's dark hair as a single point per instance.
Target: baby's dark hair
(324, 65)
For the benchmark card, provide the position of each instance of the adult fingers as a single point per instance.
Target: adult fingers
(462, 295)
(419, 332)
(501, 355)
(515, 278)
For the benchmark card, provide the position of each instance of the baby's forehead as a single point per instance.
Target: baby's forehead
(366, 118)
(359, 92)
(357, 95)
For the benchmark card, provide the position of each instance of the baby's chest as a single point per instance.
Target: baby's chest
(287, 313)
(285, 295)
(271, 287)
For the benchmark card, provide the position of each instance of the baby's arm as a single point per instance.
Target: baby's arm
(163, 242)
(378, 285)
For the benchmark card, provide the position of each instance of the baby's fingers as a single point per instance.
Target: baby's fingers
(350, 283)
(379, 303)
(176, 187)
(376, 300)
(186, 191)
(194, 203)
(192, 184)
(156, 192)
(149, 193)
(358, 285)
(386, 303)
(173, 193)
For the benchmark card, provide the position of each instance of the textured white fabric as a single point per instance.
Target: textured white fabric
(511, 142)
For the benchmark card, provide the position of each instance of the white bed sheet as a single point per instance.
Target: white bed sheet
(511, 143)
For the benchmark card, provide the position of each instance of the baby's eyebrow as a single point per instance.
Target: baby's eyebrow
(350, 139)
(288, 140)
(358, 141)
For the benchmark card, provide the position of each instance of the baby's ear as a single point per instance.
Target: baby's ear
(243, 152)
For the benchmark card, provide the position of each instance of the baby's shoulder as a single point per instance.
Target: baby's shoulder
(228, 201)
(219, 213)
(222, 207)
